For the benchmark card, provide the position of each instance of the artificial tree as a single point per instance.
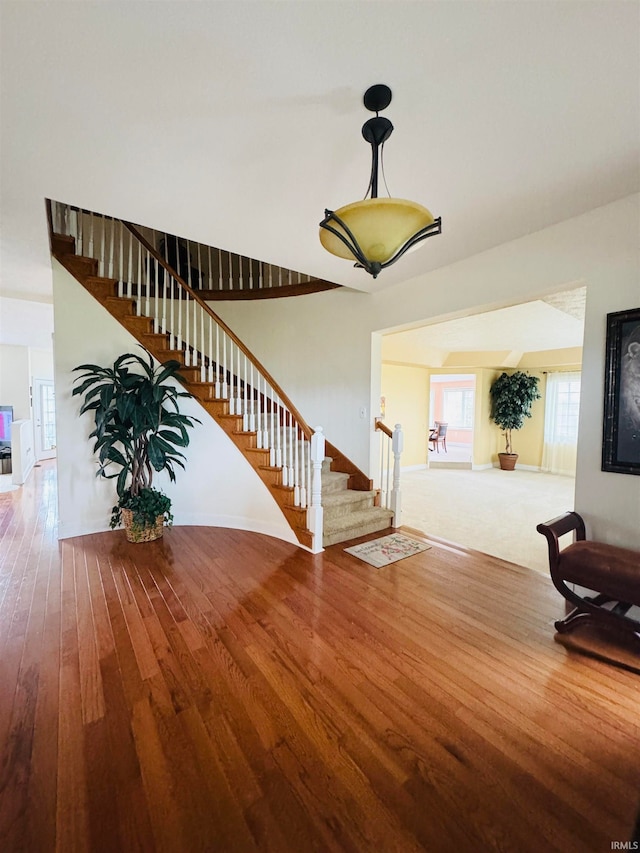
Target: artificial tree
(138, 429)
(512, 395)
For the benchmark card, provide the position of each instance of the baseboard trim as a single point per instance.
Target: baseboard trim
(520, 467)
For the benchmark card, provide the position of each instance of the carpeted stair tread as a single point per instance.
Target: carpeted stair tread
(348, 496)
(334, 481)
(356, 524)
(345, 503)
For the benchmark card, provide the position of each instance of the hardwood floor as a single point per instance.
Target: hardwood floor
(224, 691)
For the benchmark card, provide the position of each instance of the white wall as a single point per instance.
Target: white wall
(41, 363)
(218, 487)
(14, 380)
(319, 347)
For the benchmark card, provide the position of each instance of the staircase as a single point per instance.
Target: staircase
(349, 502)
(348, 513)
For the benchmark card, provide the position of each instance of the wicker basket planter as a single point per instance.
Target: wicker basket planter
(136, 533)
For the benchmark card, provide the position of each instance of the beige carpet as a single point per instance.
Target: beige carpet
(490, 510)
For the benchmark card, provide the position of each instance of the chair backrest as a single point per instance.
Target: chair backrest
(442, 429)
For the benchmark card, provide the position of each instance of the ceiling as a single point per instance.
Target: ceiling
(237, 123)
(508, 333)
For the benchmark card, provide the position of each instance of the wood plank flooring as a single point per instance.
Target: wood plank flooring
(224, 691)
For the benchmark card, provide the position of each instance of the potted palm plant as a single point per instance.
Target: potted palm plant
(512, 396)
(138, 429)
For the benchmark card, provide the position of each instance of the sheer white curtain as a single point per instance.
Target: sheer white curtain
(562, 404)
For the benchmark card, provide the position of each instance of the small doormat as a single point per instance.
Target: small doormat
(388, 549)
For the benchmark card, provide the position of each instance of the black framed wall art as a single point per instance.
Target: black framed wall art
(621, 433)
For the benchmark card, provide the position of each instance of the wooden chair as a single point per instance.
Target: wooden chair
(438, 435)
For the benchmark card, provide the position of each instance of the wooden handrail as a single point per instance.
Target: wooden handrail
(383, 428)
(194, 295)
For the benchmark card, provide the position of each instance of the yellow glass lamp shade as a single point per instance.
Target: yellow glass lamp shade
(381, 227)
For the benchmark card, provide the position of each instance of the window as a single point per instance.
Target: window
(457, 406)
(564, 410)
(562, 405)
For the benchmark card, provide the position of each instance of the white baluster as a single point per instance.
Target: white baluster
(278, 427)
(121, 267)
(258, 415)
(240, 404)
(210, 375)
(112, 240)
(273, 439)
(217, 391)
(388, 472)
(187, 339)
(303, 471)
(229, 258)
(262, 408)
(245, 408)
(315, 521)
(203, 373)
(163, 322)
(199, 268)
(176, 285)
(139, 288)
(225, 389)
(210, 276)
(91, 235)
(173, 340)
(396, 497)
(148, 284)
(252, 412)
(240, 282)
(220, 282)
(296, 479)
(101, 251)
(76, 227)
(130, 265)
(283, 430)
(156, 297)
(292, 477)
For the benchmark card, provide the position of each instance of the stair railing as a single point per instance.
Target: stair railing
(222, 364)
(391, 445)
(203, 268)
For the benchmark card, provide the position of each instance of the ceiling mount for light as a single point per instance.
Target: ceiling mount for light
(375, 232)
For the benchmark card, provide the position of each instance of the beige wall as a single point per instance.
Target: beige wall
(406, 394)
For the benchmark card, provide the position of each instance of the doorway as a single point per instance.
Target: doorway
(44, 414)
(452, 402)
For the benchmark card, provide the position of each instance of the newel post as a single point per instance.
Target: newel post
(315, 521)
(397, 444)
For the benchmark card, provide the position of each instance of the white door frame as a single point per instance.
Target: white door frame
(38, 424)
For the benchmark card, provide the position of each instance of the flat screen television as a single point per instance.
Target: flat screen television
(6, 419)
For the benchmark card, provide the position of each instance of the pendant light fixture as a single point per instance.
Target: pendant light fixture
(375, 232)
